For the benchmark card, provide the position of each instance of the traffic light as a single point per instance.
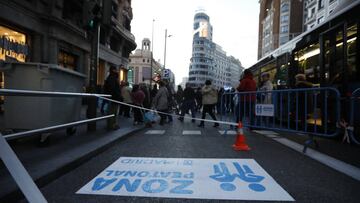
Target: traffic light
(109, 9)
(91, 14)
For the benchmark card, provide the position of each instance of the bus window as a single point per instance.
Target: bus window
(351, 53)
(308, 62)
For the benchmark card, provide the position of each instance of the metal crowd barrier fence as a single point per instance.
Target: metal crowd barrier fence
(12, 162)
(311, 111)
(354, 126)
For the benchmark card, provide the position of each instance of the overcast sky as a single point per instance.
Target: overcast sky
(235, 29)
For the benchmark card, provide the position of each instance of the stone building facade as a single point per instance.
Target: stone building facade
(140, 65)
(209, 61)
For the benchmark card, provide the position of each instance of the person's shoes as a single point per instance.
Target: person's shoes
(181, 119)
(201, 125)
(216, 125)
(193, 120)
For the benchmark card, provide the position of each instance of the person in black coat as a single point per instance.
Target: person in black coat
(112, 87)
(188, 103)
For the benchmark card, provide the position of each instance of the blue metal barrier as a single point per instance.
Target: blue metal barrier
(354, 125)
(311, 111)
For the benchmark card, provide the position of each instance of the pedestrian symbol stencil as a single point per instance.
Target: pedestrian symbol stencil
(232, 179)
(244, 173)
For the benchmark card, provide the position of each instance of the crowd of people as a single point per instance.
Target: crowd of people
(168, 102)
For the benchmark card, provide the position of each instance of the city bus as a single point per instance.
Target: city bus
(328, 55)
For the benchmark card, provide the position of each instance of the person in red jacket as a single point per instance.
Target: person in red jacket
(137, 96)
(246, 102)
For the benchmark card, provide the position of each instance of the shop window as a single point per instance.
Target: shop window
(101, 73)
(13, 45)
(67, 60)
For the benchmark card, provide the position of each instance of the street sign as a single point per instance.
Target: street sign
(264, 110)
(230, 179)
(166, 74)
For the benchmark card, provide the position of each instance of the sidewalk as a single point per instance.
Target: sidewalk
(62, 155)
(333, 147)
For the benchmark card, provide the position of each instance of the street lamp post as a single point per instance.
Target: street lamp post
(166, 36)
(151, 55)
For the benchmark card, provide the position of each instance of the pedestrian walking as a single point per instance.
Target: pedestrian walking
(112, 87)
(246, 103)
(153, 92)
(160, 102)
(209, 100)
(188, 103)
(198, 98)
(147, 99)
(126, 95)
(138, 97)
(220, 104)
(265, 97)
(171, 100)
(179, 99)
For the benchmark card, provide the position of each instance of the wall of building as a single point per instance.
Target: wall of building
(279, 22)
(54, 34)
(140, 63)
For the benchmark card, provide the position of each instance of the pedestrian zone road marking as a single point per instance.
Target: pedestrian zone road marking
(155, 132)
(226, 179)
(228, 132)
(191, 132)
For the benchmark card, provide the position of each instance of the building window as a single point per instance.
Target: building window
(312, 12)
(143, 60)
(283, 40)
(321, 19)
(284, 29)
(284, 19)
(285, 7)
(321, 4)
(67, 60)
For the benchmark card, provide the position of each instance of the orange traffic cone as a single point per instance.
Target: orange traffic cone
(240, 144)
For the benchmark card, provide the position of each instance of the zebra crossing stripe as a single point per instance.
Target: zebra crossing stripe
(191, 132)
(155, 132)
(227, 132)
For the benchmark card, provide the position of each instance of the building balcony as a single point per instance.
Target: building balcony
(124, 32)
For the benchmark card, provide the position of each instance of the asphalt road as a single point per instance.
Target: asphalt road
(305, 179)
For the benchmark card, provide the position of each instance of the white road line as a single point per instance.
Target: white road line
(265, 132)
(228, 132)
(191, 132)
(338, 165)
(155, 132)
